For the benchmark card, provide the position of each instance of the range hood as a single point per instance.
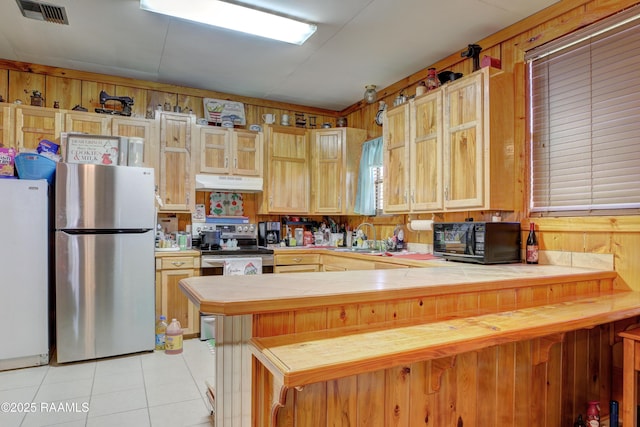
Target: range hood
(228, 183)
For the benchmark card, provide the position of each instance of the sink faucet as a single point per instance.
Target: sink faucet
(373, 229)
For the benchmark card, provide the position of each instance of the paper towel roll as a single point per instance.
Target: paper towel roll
(420, 224)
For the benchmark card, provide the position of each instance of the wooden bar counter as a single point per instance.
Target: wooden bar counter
(529, 345)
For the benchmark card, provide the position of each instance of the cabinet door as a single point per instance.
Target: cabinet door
(215, 150)
(247, 152)
(146, 129)
(463, 143)
(91, 123)
(175, 304)
(288, 170)
(426, 153)
(328, 175)
(176, 186)
(7, 117)
(34, 124)
(396, 159)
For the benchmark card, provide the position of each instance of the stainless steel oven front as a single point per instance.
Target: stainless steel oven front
(213, 264)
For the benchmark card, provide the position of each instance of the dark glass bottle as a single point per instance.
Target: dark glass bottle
(532, 246)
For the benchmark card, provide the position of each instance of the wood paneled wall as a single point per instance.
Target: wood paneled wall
(70, 88)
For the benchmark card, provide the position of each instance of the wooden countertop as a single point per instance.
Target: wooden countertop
(338, 353)
(234, 295)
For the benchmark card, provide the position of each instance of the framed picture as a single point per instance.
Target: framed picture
(220, 111)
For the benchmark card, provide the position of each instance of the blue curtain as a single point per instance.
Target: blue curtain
(371, 158)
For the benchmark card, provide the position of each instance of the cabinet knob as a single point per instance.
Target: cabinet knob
(177, 263)
(297, 260)
(226, 162)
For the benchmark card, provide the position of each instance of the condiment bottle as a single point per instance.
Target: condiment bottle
(593, 414)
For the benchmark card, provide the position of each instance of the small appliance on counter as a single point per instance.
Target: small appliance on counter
(477, 242)
(268, 233)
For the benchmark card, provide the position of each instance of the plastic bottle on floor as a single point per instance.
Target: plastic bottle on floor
(173, 343)
(161, 331)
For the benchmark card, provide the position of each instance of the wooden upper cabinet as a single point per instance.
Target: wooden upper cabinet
(464, 176)
(84, 122)
(286, 170)
(335, 158)
(146, 129)
(396, 134)
(425, 153)
(479, 142)
(230, 151)
(215, 150)
(452, 149)
(247, 150)
(176, 180)
(33, 124)
(7, 118)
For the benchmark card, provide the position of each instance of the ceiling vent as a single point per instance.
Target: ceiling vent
(43, 11)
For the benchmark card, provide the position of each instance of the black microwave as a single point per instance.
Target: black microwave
(477, 242)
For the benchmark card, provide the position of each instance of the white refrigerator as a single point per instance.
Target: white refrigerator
(24, 273)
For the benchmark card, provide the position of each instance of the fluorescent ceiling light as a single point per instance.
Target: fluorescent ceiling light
(234, 17)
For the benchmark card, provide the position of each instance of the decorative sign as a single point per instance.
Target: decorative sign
(221, 111)
(93, 149)
(226, 204)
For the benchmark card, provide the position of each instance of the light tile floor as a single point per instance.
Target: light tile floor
(145, 389)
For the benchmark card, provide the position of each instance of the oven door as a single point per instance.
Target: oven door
(214, 265)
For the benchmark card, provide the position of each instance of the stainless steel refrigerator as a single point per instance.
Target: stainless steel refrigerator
(104, 243)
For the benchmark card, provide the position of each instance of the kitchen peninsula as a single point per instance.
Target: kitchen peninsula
(508, 344)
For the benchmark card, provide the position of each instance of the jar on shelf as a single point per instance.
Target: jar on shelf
(432, 81)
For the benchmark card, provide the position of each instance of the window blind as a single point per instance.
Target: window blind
(584, 112)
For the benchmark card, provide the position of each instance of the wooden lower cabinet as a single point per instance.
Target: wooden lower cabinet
(170, 301)
(296, 263)
(342, 263)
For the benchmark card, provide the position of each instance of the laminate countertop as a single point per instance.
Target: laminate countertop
(235, 295)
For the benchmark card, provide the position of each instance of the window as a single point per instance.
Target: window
(584, 119)
(369, 192)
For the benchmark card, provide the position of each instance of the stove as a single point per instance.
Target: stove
(236, 241)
